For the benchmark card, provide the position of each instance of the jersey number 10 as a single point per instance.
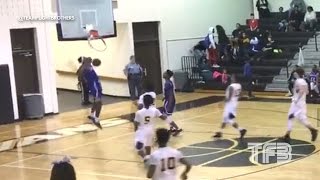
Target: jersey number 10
(169, 163)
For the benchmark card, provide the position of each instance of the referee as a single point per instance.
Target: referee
(133, 71)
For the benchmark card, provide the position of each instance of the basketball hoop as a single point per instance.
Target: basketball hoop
(94, 35)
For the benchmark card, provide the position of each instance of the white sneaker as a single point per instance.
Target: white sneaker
(215, 66)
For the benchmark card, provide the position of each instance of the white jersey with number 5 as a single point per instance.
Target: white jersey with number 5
(235, 94)
(166, 161)
(146, 117)
(300, 88)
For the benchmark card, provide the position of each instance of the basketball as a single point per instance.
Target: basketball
(96, 62)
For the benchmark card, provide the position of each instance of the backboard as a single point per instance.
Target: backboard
(93, 14)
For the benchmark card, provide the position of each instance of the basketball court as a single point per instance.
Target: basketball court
(28, 148)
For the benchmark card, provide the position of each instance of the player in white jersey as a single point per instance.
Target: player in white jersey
(165, 160)
(298, 108)
(149, 90)
(233, 93)
(144, 127)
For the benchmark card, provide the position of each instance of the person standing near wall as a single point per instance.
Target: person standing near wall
(247, 72)
(82, 82)
(133, 71)
(262, 6)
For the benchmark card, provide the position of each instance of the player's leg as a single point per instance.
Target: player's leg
(140, 149)
(169, 108)
(96, 109)
(293, 111)
(219, 133)
(304, 120)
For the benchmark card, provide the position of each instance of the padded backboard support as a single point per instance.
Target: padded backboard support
(96, 14)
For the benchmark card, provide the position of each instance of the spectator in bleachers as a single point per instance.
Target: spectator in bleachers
(223, 40)
(212, 53)
(244, 43)
(221, 77)
(310, 20)
(237, 32)
(300, 4)
(63, 170)
(295, 19)
(247, 72)
(314, 81)
(199, 52)
(253, 23)
(263, 8)
(283, 24)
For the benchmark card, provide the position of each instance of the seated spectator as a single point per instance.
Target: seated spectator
(314, 81)
(255, 50)
(223, 40)
(63, 170)
(244, 43)
(262, 6)
(199, 52)
(253, 23)
(237, 32)
(300, 4)
(283, 24)
(310, 20)
(222, 77)
(295, 19)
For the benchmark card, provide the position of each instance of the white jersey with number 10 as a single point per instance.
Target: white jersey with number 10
(166, 161)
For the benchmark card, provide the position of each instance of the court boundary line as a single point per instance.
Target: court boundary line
(80, 172)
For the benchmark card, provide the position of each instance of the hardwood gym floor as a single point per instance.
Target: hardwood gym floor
(28, 148)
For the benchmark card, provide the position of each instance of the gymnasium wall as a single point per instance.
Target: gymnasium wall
(182, 24)
(275, 4)
(9, 13)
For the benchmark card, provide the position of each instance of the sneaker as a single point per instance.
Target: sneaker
(217, 135)
(95, 121)
(242, 133)
(314, 135)
(286, 138)
(215, 66)
(176, 132)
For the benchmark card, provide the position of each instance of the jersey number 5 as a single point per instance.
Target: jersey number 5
(169, 163)
(146, 119)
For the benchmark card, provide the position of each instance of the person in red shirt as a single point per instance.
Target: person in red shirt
(253, 23)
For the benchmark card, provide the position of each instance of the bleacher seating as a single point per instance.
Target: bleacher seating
(267, 68)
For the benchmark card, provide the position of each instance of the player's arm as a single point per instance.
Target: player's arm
(230, 91)
(160, 115)
(184, 175)
(151, 171)
(136, 122)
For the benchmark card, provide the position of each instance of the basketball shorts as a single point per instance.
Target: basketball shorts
(169, 107)
(144, 136)
(314, 86)
(97, 95)
(229, 113)
(299, 111)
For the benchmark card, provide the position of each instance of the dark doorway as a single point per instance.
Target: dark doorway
(25, 63)
(147, 53)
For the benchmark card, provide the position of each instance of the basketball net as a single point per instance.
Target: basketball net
(94, 35)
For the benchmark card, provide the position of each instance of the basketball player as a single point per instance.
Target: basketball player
(149, 90)
(170, 102)
(82, 83)
(144, 126)
(233, 93)
(164, 161)
(298, 108)
(95, 90)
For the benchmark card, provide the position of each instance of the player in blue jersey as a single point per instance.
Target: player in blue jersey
(95, 90)
(170, 102)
